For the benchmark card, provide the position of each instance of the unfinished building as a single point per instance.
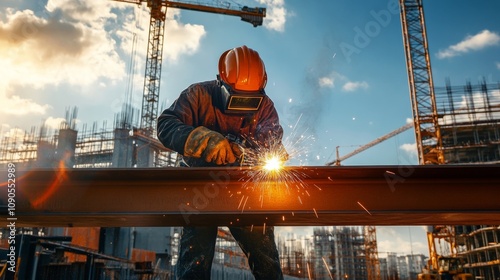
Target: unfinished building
(470, 132)
(470, 122)
(339, 253)
(480, 246)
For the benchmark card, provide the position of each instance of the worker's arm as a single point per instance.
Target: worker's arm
(177, 122)
(181, 129)
(268, 127)
(269, 132)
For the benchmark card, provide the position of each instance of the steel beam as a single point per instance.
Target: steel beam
(361, 195)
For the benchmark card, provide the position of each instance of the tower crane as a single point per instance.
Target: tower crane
(158, 9)
(423, 100)
(369, 145)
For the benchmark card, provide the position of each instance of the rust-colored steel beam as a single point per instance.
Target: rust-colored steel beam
(361, 195)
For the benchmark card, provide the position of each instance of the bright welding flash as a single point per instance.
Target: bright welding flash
(273, 164)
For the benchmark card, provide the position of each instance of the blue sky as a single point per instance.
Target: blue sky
(336, 68)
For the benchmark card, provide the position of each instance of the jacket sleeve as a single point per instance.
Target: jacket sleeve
(177, 122)
(269, 132)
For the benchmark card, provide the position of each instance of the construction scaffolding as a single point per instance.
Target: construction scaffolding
(122, 146)
(480, 246)
(91, 147)
(470, 131)
(470, 122)
(295, 255)
(339, 253)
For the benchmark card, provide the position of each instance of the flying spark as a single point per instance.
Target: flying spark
(267, 172)
(327, 268)
(364, 208)
(308, 271)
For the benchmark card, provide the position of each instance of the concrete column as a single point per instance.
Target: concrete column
(123, 149)
(66, 146)
(45, 154)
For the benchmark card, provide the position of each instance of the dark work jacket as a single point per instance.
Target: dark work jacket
(200, 105)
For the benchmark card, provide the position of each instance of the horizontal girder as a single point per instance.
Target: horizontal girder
(300, 196)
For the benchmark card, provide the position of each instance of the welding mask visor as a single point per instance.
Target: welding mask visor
(240, 102)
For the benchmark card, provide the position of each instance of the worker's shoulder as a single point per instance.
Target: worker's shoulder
(205, 85)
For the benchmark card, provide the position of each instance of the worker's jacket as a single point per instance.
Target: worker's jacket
(200, 105)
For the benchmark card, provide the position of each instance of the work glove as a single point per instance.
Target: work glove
(209, 145)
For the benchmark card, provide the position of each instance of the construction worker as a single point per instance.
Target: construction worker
(197, 125)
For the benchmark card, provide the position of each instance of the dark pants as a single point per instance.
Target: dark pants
(198, 246)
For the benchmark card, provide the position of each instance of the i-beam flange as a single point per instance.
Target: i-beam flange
(300, 196)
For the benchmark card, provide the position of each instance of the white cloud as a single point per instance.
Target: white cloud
(326, 82)
(390, 240)
(73, 43)
(353, 86)
(329, 80)
(476, 42)
(87, 11)
(349, 86)
(410, 149)
(182, 38)
(17, 106)
(276, 14)
(36, 51)
(54, 123)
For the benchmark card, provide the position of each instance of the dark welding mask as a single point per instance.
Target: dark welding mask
(242, 77)
(240, 102)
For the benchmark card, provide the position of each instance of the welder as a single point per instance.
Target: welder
(197, 126)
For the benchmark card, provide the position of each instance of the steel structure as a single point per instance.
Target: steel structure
(423, 101)
(470, 127)
(152, 78)
(339, 253)
(383, 195)
(480, 246)
(371, 250)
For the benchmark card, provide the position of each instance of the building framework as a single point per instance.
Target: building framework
(480, 246)
(339, 253)
(470, 122)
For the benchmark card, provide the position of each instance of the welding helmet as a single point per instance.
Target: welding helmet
(242, 77)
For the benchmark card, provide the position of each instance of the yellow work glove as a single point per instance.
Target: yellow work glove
(209, 145)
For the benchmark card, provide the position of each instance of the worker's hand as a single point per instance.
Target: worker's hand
(209, 145)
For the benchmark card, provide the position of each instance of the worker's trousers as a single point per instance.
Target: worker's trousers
(198, 245)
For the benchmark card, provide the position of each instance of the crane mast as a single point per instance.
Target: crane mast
(152, 77)
(423, 100)
(158, 9)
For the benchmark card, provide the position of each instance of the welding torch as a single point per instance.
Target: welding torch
(247, 151)
(239, 147)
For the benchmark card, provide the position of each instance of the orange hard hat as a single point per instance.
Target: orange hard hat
(242, 69)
